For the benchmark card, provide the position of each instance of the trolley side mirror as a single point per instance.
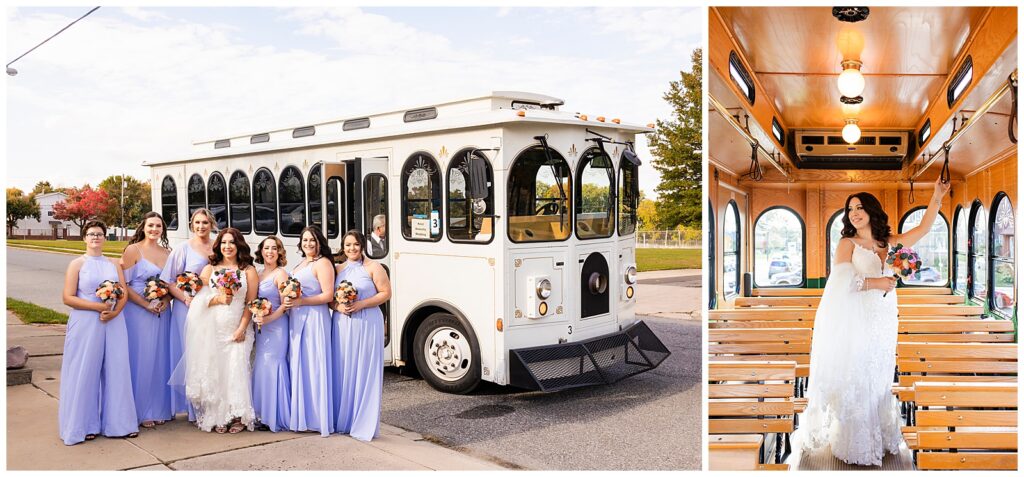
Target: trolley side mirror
(477, 177)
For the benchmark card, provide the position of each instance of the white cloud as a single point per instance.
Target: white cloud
(108, 94)
(143, 14)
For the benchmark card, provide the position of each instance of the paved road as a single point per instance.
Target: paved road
(649, 421)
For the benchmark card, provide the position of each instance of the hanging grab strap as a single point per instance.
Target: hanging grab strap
(755, 174)
(944, 173)
(1013, 108)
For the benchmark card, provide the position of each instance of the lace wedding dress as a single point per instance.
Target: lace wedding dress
(215, 369)
(853, 355)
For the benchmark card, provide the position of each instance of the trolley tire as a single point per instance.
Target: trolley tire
(430, 327)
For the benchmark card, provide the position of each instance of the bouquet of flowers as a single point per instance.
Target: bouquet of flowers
(155, 289)
(291, 288)
(259, 307)
(109, 292)
(904, 262)
(189, 282)
(346, 293)
(227, 281)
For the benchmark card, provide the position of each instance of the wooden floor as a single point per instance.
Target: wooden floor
(823, 460)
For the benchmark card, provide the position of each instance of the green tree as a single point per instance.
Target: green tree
(647, 214)
(20, 206)
(676, 145)
(137, 200)
(43, 187)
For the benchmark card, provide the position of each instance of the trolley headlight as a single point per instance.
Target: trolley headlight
(544, 289)
(631, 275)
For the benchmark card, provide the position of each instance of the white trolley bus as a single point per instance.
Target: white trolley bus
(510, 226)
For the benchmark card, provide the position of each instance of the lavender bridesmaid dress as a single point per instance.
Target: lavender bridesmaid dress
(182, 259)
(95, 379)
(358, 347)
(310, 361)
(148, 358)
(271, 386)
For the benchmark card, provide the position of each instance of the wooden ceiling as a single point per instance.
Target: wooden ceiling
(796, 52)
(908, 53)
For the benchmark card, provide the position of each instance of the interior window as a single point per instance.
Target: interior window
(539, 196)
(169, 202)
(594, 178)
(778, 249)
(933, 249)
(1003, 264)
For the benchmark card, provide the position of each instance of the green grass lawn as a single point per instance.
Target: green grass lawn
(648, 259)
(32, 313)
(110, 248)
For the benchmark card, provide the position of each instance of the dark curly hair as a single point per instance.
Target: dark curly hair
(878, 220)
(282, 255)
(140, 231)
(244, 257)
(324, 248)
(360, 239)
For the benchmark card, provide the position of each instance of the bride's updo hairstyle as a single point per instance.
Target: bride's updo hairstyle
(244, 257)
(878, 220)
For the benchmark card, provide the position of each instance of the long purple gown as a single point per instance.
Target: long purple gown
(182, 259)
(148, 340)
(358, 347)
(95, 379)
(271, 386)
(310, 361)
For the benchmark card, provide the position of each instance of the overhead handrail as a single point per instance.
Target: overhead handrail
(735, 123)
(966, 125)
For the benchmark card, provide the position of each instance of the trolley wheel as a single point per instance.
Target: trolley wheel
(446, 355)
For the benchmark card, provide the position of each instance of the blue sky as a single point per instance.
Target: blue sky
(132, 84)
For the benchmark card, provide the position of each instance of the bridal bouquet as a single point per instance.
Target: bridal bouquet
(188, 282)
(346, 293)
(109, 292)
(291, 288)
(227, 281)
(155, 289)
(903, 261)
(259, 307)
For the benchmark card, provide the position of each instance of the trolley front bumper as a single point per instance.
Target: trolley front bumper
(600, 360)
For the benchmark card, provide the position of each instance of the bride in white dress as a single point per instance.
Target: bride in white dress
(219, 341)
(853, 350)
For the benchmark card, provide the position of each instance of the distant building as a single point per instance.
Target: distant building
(46, 226)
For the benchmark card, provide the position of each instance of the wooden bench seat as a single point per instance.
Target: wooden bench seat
(964, 426)
(765, 344)
(812, 301)
(817, 291)
(951, 362)
(761, 318)
(753, 397)
(941, 310)
(956, 331)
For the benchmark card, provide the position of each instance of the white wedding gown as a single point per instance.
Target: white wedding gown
(217, 371)
(853, 355)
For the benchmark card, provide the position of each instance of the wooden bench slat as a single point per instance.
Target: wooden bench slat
(759, 324)
(956, 338)
(734, 452)
(799, 359)
(751, 371)
(750, 408)
(766, 292)
(741, 426)
(749, 390)
(761, 348)
(967, 440)
(966, 394)
(961, 366)
(909, 380)
(931, 417)
(759, 334)
(954, 326)
(944, 310)
(967, 461)
(950, 351)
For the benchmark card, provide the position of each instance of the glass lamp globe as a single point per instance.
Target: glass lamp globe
(851, 81)
(851, 132)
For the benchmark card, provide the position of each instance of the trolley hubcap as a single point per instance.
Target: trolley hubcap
(448, 354)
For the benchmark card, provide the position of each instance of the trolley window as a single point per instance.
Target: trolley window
(539, 196)
(421, 198)
(594, 208)
(264, 202)
(217, 196)
(978, 252)
(240, 198)
(196, 194)
(960, 268)
(375, 201)
(169, 202)
(731, 250)
(778, 248)
(1002, 298)
(469, 220)
(629, 196)
(292, 202)
(313, 191)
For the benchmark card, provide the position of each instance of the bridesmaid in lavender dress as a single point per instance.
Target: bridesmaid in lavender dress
(310, 359)
(148, 323)
(95, 379)
(190, 256)
(271, 386)
(358, 343)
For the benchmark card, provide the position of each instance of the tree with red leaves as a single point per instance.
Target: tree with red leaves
(82, 205)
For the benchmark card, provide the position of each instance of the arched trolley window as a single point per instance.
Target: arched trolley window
(539, 196)
(960, 261)
(711, 256)
(315, 201)
(469, 220)
(169, 202)
(731, 250)
(977, 246)
(375, 202)
(264, 202)
(421, 198)
(779, 248)
(196, 194)
(217, 197)
(240, 198)
(835, 233)
(595, 176)
(933, 249)
(1002, 299)
(292, 202)
(629, 195)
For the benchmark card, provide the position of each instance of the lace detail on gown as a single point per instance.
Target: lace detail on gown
(853, 356)
(218, 371)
